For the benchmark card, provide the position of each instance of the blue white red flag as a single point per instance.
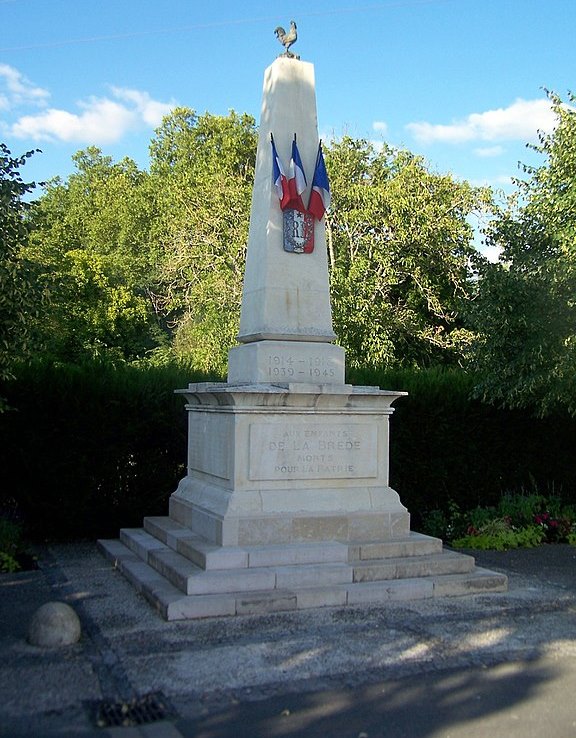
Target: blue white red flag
(296, 180)
(320, 195)
(279, 179)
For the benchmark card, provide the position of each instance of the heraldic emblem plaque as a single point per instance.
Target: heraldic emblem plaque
(298, 231)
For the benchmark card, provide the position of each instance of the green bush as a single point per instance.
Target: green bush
(519, 520)
(501, 540)
(446, 448)
(10, 545)
(86, 449)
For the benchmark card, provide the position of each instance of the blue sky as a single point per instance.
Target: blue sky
(458, 81)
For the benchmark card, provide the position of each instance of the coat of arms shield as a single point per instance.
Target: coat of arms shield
(298, 231)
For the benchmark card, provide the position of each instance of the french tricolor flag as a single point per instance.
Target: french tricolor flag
(279, 178)
(296, 180)
(320, 195)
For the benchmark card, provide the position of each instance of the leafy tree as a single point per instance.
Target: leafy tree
(127, 254)
(525, 308)
(399, 248)
(202, 170)
(19, 296)
(91, 240)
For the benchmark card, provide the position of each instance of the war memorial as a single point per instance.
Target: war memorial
(286, 503)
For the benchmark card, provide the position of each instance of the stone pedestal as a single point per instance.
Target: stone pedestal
(288, 464)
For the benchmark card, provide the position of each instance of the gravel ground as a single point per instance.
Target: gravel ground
(209, 666)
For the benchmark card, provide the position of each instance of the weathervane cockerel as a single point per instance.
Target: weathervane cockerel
(287, 39)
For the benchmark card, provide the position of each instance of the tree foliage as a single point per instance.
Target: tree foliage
(151, 264)
(399, 247)
(202, 171)
(19, 297)
(91, 242)
(525, 307)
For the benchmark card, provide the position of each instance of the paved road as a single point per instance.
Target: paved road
(488, 665)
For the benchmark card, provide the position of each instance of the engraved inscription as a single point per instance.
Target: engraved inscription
(309, 368)
(313, 451)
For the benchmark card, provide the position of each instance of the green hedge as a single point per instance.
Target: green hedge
(88, 449)
(447, 448)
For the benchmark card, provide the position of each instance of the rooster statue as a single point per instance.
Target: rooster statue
(287, 39)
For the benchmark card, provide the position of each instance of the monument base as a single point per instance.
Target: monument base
(287, 463)
(286, 505)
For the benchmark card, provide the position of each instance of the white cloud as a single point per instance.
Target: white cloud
(380, 126)
(151, 111)
(18, 90)
(519, 121)
(487, 152)
(101, 120)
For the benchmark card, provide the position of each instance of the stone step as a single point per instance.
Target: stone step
(208, 556)
(194, 547)
(190, 579)
(140, 542)
(409, 567)
(167, 599)
(167, 530)
(281, 566)
(478, 581)
(172, 604)
(415, 544)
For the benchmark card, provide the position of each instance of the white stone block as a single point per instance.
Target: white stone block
(142, 577)
(283, 362)
(264, 602)
(477, 582)
(291, 577)
(336, 596)
(211, 557)
(140, 542)
(293, 554)
(305, 448)
(398, 589)
(414, 545)
(235, 580)
(174, 567)
(286, 295)
(166, 530)
(201, 606)
(115, 551)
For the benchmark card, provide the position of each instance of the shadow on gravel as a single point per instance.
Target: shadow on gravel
(432, 704)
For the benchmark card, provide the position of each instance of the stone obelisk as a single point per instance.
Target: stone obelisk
(286, 321)
(286, 502)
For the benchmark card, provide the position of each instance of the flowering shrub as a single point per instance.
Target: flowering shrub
(518, 521)
(554, 529)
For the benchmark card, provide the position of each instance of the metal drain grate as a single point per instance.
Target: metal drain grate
(138, 711)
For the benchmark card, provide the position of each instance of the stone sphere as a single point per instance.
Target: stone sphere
(54, 624)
